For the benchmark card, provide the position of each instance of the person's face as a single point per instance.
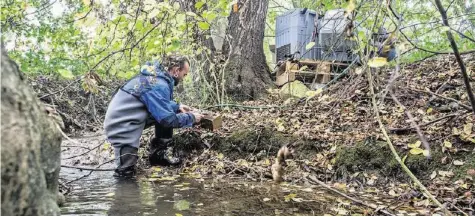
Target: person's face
(181, 73)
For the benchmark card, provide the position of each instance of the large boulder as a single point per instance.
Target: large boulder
(30, 145)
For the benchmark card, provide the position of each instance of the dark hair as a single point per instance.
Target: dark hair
(172, 61)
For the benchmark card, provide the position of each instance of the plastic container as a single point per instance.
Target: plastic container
(331, 34)
(294, 30)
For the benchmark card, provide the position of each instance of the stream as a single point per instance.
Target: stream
(102, 194)
(170, 193)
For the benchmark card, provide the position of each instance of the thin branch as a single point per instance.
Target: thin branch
(64, 88)
(448, 7)
(408, 113)
(430, 51)
(393, 150)
(97, 146)
(373, 206)
(393, 130)
(75, 146)
(443, 97)
(461, 34)
(43, 7)
(390, 144)
(91, 171)
(80, 18)
(131, 47)
(466, 79)
(89, 168)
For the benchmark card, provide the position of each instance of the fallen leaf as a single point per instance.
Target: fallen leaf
(429, 110)
(181, 205)
(266, 199)
(458, 163)
(416, 151)
(446, 173)
(433, 175)
(392, 193)
(467, 129)
(298, 200)
(415, 145)
(178, 214)
(447, 144)
(289, 197)
(377, 62)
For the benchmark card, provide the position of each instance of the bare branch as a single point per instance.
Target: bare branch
(466, 79)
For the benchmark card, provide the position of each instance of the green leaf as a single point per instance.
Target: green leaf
(289, 197)
(189, 13)
(416, 151)
(447, 144)
(310, 45)
(445, 29)
(199, 5)
(377, 62)
(182, 205)
(66, 73)
(203, 25)
(415, 145)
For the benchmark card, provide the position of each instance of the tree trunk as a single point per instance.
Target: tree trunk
(30, 144)
(247, 73)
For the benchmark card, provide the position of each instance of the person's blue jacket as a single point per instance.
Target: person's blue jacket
(154, 87)
(143, 100)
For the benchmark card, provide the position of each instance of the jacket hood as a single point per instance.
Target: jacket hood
(156, 69)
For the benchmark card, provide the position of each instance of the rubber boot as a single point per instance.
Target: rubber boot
(162, 153)
(127, 160)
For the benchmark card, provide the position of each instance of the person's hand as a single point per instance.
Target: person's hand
(184, 108)
(198, 116)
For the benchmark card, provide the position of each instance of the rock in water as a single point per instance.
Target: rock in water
(31, 148)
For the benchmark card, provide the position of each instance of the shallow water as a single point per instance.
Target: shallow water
(102, 194)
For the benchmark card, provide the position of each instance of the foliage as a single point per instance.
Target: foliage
(108, 37)
(112, 38)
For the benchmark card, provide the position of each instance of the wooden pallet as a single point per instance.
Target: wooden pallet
(306, 71)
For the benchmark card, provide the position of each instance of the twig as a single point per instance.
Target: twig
(83, 152)
(460, 210)
(393, 150)
(390, 144)
(64, 88)
(406, 111)
(89, 168)
(443, 97)
(423, 125)
(67, 137)
(315, 180)
(91, 171)
(74, 146)
(466, 79)
(243, 106)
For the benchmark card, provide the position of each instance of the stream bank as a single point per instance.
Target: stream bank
(335, 138)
